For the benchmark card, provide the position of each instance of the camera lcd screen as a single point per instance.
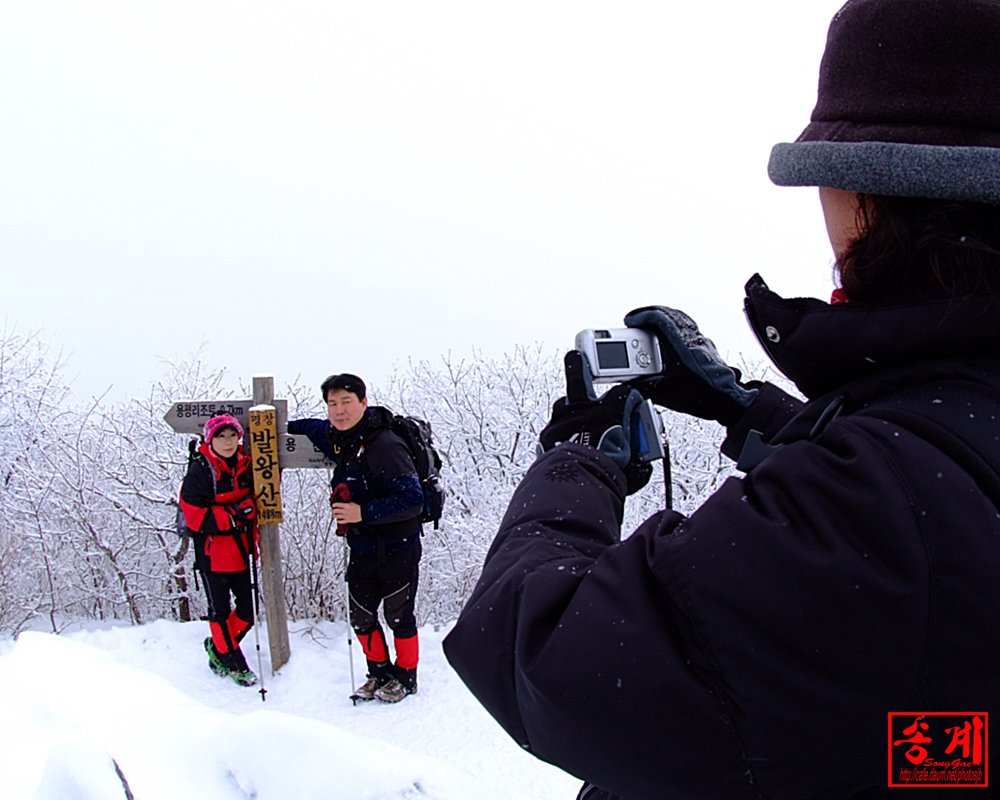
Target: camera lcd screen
(612, 355)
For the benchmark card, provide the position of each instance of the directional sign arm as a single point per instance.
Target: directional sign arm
(190, 416)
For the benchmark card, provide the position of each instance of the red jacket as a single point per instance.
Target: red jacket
(208, 503)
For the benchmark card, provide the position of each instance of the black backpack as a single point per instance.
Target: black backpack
(193, 455)
(416, 435)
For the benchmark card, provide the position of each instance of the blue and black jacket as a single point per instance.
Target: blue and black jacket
(375, 465)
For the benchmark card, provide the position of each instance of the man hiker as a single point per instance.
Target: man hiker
(377, 502)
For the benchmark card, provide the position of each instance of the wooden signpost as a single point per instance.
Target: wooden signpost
(294, 452)
(264, 457)
(272, 449)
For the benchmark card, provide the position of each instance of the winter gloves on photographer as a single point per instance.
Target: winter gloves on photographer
(609, 424)
(695, 380)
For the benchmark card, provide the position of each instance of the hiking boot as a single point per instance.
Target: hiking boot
(215, 659)
(238, 669)
(244, 677)
(407, 678)
(367, 690)
(393, 692)
(229, 665)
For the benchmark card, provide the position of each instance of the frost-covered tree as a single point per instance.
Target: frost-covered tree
(32, 418)
(486, 414)
(89, 494)
(120, 486)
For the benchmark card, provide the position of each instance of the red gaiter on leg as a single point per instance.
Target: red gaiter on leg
(219, 637)
(237, 628)
(373, 646)
(407, 652)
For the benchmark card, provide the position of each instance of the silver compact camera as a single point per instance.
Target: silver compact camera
(620, 354)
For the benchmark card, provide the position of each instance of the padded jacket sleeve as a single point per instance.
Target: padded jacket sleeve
(316, 431)
(750, 650)
(769, 412)
(201, 513)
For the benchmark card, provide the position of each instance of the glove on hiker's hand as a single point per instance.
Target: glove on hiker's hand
(695, 380)
(248, 507)
(237, 518)
(607, 424)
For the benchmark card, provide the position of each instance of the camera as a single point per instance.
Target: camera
(620, 354)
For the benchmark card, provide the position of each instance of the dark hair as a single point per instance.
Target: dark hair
(345, 381)
(917, 246)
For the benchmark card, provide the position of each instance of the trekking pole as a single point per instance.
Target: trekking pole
(256, 632)
(668, 481)
(347, 609)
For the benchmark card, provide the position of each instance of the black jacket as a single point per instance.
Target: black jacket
(379, 474)
(755, 648)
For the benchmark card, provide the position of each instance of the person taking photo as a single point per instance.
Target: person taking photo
(755, 648)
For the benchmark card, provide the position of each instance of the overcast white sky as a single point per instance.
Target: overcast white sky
(317, 187)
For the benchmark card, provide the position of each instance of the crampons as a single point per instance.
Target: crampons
(214, 662)
(244, 677)
(393, 691)
(240, 672)
(366, 691)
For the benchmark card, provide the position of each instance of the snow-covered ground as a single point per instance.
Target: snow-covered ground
(144, 697)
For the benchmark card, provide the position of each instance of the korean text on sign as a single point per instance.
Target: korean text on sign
(264, 454)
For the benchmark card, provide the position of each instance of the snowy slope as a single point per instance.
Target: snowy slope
(145, 697)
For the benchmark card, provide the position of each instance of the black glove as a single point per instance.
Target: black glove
(695, 380)
(248, 507)
(608, 424)
(237, 519)
(241, 513)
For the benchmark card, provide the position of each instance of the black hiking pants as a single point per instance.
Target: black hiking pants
(218, 587)
(392, 579)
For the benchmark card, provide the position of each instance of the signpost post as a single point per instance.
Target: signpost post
(264, 420)
(265, 480)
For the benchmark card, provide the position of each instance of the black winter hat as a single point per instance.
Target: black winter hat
(908, 103)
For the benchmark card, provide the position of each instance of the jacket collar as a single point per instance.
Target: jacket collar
(821, 346)
(221, 465)
(375, 420)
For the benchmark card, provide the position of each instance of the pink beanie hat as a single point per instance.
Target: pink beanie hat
(217, 423)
